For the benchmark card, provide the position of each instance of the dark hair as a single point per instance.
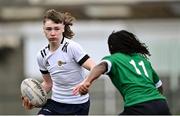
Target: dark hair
(127, 43)
(60, 17)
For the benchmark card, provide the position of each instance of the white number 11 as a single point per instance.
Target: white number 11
(141, 63)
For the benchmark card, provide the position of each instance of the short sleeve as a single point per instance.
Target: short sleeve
(108, 60)
(78, 53)
(156, 79)
(109, 65)
(41, 64)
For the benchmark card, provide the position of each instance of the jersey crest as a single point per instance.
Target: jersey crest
(61, 63)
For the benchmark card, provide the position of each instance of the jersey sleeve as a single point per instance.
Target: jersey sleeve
(41, 65)
(156, 79)
(109, 64)
(78, 53)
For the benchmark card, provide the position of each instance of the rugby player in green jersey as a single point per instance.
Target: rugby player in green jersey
(132, 74)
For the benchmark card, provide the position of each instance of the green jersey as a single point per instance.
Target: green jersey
(134, 77)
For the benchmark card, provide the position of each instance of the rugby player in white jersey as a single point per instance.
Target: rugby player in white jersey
(61, 63)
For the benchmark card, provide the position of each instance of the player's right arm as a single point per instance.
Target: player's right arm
(47, 82)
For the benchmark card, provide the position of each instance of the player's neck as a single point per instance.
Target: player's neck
(54, 46)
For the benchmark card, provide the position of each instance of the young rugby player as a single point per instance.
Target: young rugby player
(61, 63)
(132, 74)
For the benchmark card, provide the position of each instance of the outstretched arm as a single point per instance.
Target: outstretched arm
(95, 73)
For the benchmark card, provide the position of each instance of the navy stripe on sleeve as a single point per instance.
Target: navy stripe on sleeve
(42, 54)
(83, 60)
(44, 72)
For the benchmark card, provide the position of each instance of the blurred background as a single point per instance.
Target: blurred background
(155, 22)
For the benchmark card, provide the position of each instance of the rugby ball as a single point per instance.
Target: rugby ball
(32, 89)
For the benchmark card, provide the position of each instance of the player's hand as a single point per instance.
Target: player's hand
(81, 88)
(26, 103)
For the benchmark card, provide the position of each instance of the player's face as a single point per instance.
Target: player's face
(53, 31)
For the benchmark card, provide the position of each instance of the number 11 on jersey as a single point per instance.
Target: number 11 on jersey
(141, 63)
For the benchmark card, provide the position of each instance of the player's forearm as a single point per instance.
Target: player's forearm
(47, 82)
(96, 72)
(46, 86)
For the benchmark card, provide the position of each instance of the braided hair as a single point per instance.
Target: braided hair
(127, 43)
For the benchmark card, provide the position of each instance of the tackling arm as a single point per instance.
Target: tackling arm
(95, 73)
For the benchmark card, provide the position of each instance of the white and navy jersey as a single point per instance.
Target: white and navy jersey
(64, 66)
